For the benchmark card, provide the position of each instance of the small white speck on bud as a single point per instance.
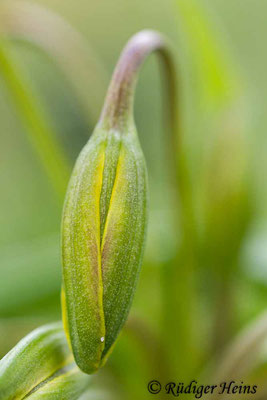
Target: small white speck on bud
(102, 339)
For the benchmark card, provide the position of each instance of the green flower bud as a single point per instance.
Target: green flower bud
(41, 366)
(104, 225)
(105, 217)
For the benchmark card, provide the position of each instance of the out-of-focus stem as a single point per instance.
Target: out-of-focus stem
(224, 311)
(240, 357)
(237, 357)
(151, 347)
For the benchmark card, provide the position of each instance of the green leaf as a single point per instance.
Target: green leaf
(41, 365)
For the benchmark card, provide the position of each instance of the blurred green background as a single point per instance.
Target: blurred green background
(199, 286)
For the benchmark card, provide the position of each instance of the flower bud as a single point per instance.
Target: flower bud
(104, 219)
(41, 366)
(104, 224)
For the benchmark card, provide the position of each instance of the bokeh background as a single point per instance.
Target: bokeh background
(204, 276)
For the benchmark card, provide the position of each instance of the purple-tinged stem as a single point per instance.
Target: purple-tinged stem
(117, 114)
(118, 106)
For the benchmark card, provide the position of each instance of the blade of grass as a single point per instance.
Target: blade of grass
(39, 129)
(43, 28)
(219, 81)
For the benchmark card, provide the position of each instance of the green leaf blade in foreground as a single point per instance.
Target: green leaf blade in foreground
(38, 357)
(68, 384)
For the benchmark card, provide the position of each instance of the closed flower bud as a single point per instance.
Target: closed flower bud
(104, 219)
(41, 366)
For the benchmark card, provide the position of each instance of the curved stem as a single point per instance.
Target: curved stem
(118, 105)
(178, 285)
(118, 113)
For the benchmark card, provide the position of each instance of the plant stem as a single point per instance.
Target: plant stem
(118, 105)
(178, 286)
